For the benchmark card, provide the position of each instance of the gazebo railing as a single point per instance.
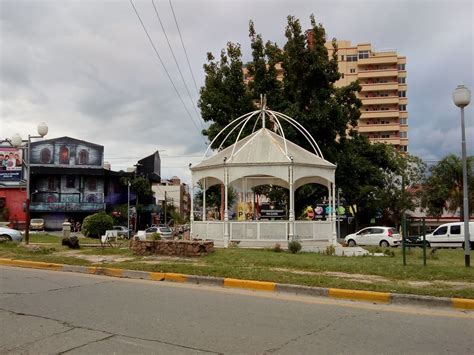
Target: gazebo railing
(268, 231)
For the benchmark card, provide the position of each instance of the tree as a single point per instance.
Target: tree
(307, 93)
(213, 197)
(96, 224)
(224, 96)
(399, 185)
(443, 188)
(361, 169)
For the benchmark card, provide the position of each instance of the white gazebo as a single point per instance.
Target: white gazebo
(264, 157)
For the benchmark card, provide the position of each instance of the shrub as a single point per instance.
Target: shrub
(277, 248)
(389, 252)
(294, 246)
(330, 250)
(95, 225)
(156, 236)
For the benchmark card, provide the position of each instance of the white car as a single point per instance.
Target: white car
(450, 235)
(377, 236)
(9, 234)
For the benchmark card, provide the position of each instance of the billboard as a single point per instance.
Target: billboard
(11, 161)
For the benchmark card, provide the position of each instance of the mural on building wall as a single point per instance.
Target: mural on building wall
(66, 151)
(67, 176)
(11, 161)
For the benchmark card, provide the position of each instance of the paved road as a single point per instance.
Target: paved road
(55, 312)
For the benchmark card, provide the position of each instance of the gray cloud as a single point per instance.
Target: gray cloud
(87, 69)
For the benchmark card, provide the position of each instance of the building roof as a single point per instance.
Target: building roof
(264, 147)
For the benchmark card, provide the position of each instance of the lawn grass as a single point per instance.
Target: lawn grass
(55, 239)
(444, 275)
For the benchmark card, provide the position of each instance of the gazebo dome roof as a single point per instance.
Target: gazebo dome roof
(264, 147)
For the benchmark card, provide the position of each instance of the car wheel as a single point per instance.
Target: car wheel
(351, 243)
(5, 238)
(427, 244)
(384, 244)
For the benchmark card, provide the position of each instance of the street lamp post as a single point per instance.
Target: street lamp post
(128, 209)
(461, 98)
(17, 142)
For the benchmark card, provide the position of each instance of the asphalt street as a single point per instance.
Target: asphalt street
(59, 312)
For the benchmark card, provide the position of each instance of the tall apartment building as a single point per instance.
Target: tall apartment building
(382, 77)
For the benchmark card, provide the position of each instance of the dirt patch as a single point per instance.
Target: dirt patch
(370, 279)
(96, 259)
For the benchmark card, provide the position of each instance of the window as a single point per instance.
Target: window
(64, 155)
(342, 58)
(404, 148)
(51, 184)
(70, 182)
(441, 231)
(385, 135)
(45, 156)
(352, 70)
(402, 80)
(403, 135)
(342, 75)
(402, 94)
(403, 121)
(455, 229)
(51, 199)
(83, 157)
(363, 54)
(402, 107)
(401, 66)
(91, 198)
(92, 184)
(352, 58)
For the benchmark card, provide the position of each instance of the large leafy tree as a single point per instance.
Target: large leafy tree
(443, 188)
(400, 184)
(224, 96)
(307, 92)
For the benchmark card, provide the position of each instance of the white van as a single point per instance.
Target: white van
(450, 235)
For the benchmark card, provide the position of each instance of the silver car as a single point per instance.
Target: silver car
(8, 234)
(165, 232)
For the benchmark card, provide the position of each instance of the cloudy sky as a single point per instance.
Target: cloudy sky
(87, 68)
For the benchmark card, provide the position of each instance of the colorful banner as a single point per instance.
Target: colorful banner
(244, 211)
(11, 160)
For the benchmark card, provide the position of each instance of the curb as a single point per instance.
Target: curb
(355, 295)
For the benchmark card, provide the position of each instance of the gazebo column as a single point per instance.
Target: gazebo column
(204, 186)
(191, 215)
(333, 214)
(291, 214)
(226, 209)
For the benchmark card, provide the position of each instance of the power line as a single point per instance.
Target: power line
(184, 48)
(176, 62)
(164, 67)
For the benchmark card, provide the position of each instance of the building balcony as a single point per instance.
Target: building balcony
(380, 114)
(66, 207)
(379, 59)
(380, 87)
(391, 140)
(381, 100)
(366, 128)
(378, 73)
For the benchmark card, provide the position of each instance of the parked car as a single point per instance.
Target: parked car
(165, 232)
(122, 231)
(37, 224)
(8, 234)
(381, 236)
(450, 235)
